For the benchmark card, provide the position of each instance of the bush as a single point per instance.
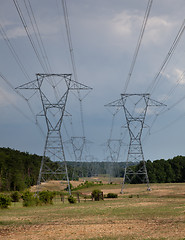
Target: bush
(46, 197)
(67, 188)
(88, 184)
(71, 199)
(97, 195)
(112, 195)
(28, 199)
(15, 196)
(5, 201)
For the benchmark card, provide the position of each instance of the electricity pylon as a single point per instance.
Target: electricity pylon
(135, 108)
(114, 146)
(53, 90)
(78, 144)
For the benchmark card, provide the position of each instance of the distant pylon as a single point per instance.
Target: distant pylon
(53, 90)
(78, 144)
(135, 108)
(114, 146)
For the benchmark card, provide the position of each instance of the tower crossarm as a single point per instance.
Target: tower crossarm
(33, 85)
(78, 86)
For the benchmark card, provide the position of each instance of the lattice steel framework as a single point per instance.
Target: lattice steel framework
(135, 108)
(78, 144)
(114, 147)
(53, 90)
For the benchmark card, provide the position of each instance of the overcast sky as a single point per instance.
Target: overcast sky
(104, 36)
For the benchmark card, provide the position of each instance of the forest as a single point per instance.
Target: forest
(19, 170)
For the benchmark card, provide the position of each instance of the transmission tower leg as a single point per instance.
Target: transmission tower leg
(53, 148)
(110, 173)
(65, 164)
(68, 182)
(41, 167)
(147, 179)
(123, 184)
(39, 177)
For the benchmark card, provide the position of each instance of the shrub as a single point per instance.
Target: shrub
(97, 195)
(37, 201)
(112, 195)
(28, 199)
(46, 197)
(71, 199)
(88, 184)
(15, 196)
(5, 201)
(67, 188)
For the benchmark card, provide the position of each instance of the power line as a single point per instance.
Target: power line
(162, 112)
(149, 5)
(169, 124)
(157, 78)
(29, 35)
(37, 32)
(147, 12)
(68, 31)
(25, 99)
(69, 38)
(40, 44)
(4, 95)
(12, 50)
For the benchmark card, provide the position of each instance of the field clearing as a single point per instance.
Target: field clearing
(136, 214)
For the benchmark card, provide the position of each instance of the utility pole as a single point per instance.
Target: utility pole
(53, 91)
(135, 108)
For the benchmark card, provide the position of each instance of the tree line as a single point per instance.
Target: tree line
(19, 170)
(170, 171)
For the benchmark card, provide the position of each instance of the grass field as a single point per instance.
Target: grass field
(137, 214)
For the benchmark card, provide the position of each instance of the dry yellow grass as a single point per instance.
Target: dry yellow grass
(137, 214)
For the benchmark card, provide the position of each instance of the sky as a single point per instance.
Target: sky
(104, 35)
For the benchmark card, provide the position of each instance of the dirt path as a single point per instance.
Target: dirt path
(85, 229)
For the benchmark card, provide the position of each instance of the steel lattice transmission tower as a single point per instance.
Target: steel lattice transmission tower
(114, 147)
(77, 144)
(135, 108)
(53, 90)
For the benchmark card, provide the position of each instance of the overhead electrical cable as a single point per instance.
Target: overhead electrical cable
(27, 101)
(17, 59)
(158, 76)
(60, 11)
(146, 16)
(68, 31)
(40, 44)
(11, 86)
(29, 36)
(44, 64)
(13, 104)
(149, 5)
(169, 124)
(172, 90)
(12, 50)
(147, 12)
(17, 108)
(37, 32)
